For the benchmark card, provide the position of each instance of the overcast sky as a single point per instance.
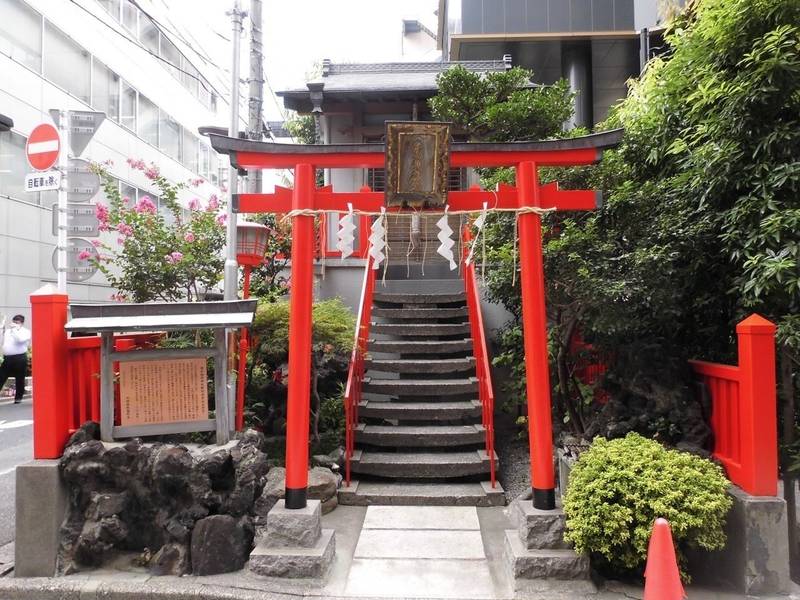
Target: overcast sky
(300, 33)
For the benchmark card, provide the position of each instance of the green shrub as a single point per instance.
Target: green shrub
(618, 488)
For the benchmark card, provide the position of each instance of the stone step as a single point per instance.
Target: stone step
(420, 387)
(420, 329)
(420, 314)
(420, 436)
(543, 563)
(366, 493)
(418, 298)
(422, 465)
(432, 365)
(420, 346)
(419, 411)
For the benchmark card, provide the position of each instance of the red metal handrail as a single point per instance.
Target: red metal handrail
(355, 374)
(480, 351)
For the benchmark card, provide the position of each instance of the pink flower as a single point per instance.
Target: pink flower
(173, 257)
(136, 164)
(145, 205)
(120, 241)
(222, 219)
(194, 204)
(124, 229)
(118, 297)
(152, 172)
(189, 237)
(196, 182)
(84, 255)
(213, 203)
(126, 200)
(103, 227)
(107, 163)
(101, 212)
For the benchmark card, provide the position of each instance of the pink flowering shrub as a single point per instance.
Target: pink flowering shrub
(161, 253)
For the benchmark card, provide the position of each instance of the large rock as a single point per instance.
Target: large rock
(220, 544)
(172, 559)
(147, 498)
(322, 486)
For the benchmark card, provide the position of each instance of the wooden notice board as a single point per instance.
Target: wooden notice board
(163, 391)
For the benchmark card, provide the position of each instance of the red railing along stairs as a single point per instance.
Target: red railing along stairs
(419, 401)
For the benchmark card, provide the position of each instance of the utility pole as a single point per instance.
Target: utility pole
(231, 281)
(255, 119)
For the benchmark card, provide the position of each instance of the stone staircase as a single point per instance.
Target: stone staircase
(420, 438)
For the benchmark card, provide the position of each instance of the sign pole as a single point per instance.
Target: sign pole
(63, 163)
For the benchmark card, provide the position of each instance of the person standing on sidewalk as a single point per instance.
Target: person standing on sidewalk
(16, 341)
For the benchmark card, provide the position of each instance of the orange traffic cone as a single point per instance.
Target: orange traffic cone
(662, 578)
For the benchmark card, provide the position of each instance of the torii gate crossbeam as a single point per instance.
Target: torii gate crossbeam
(525, 157)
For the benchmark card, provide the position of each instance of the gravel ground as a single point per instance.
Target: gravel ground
(512, 451)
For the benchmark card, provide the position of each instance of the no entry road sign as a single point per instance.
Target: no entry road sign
(43, 147)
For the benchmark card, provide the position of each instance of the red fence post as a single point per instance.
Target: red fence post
(758, 417)
(300, 306)
(49, 371)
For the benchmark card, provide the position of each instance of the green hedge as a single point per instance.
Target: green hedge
(618, 488)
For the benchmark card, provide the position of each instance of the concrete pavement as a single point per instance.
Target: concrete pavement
(16, 447)
(382, 552)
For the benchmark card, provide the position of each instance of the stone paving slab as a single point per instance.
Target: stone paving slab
(396, 543)
(420, 578)
(422, 517)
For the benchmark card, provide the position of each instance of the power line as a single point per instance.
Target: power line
(203, 82)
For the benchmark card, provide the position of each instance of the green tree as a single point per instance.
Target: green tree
(156, 257)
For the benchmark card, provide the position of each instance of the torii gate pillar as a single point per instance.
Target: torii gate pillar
(534, 324)
(298, 402)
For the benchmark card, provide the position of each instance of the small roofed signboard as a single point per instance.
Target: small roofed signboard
(166, 391)
(417, 163)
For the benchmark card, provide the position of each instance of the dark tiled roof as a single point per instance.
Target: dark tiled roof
(375, 79)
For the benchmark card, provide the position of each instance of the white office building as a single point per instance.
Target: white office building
(126, 58)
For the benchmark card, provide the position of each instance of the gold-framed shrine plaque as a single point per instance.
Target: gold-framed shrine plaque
(163, 391)
(417, 163)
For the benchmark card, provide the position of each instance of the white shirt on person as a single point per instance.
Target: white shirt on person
(16, 340)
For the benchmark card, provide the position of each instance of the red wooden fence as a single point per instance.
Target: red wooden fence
(744, 409)
(66, 373)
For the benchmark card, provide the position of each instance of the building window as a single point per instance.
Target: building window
(21, 33)
(112, 7)
(149, 34)
(190, 77)
(130, 17)
(66, 64)
(190, 149)
(169, 136)
(204, 162)
(172, 55)
(127, 116)
(148, 121)
(13, 165)
(127, 191)
(105, 90)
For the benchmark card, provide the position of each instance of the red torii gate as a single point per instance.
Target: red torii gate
(526, 157)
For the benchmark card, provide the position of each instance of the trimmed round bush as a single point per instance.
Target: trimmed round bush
(618, 488)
